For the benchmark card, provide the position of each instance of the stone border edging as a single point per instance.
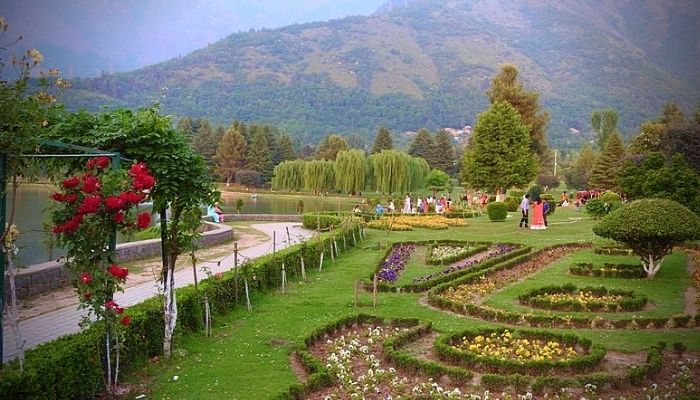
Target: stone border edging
(41, 278)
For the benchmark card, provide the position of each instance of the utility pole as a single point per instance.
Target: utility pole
(555, 162)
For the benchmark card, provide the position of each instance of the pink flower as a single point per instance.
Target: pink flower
(70, 183)
(86, 278)
(114, 203)
(90, 184)
(144, 220)
(117, 271)
(90, 204)
(118, 217)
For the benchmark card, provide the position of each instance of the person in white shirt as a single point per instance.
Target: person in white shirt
(524, 209)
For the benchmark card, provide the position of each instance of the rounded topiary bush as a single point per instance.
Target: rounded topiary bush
(498, 211)
(517, 193)
(650, 227)
(597, 208)
(512, 203)
(610, 197)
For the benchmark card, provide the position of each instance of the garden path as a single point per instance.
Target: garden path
(52, 325)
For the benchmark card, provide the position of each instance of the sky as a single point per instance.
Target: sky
(86, 37)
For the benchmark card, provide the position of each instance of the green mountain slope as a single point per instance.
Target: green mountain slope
(428, 63)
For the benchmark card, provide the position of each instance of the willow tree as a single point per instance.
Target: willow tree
(319, 175)
(289, 175)
(418, 170)
(391, 171)
(350, 171)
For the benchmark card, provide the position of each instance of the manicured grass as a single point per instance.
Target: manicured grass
(665, 292)
(248, 356)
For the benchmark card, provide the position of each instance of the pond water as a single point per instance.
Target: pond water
(32, 201)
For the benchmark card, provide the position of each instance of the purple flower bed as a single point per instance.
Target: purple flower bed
(392, 266)
(498, 251)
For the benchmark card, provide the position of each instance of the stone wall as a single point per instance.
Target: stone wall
(42, 278)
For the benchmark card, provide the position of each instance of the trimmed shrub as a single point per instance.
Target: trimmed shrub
(517, 193)
(512, 203)
(498, 211)
(610, 197)
(320, 221)
(597, 208)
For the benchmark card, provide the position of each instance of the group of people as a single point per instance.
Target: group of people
(423, 205)
(540, 209)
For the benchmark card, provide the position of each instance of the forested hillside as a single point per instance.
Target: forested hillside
(428, 63)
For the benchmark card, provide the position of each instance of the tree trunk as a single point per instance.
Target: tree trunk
(169, 311)
(652, 266)
(12, 308)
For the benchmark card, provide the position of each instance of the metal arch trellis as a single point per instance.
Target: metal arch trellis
(82, 151)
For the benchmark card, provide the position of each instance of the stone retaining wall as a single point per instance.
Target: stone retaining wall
(44, 277)
(263, 217)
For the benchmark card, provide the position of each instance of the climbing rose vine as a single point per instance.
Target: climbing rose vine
(88, 208)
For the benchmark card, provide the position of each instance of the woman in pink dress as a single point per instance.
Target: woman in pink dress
(538, 215)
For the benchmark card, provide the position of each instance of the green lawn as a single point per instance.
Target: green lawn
(249, 355)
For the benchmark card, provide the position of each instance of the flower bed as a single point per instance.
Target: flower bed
(608, 270)
(416, 221)
(395, 262)
(613, 250)
(528, 352)
(386, 225)
(445, 254)
(569, 298)
(496, 252)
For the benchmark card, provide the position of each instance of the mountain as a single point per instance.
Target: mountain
(428, 63)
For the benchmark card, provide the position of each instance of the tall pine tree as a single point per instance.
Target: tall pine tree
(231, 155)
(499, 155)
(205, 142)
(330, 146)
(259, 156)
(506, 87)
(604, 123)
(285, 149)
(423, 146)
(444, 153)
(382, 141)
(607, 167)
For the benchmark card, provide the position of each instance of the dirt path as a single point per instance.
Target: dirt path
(141, 271)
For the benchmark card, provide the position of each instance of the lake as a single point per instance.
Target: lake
(33, 199)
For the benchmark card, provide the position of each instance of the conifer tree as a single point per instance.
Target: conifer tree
(506, 87)
(382, 141)
(443, 152)
(423, 146)
(259, 157)
(649, 139)
(230, 155)
(604, 123)
(355, 141)
(285, 149)
(607, 167)
(330, 146)
(579, 174)
(499, 155)
(205, 141)
(184, 125)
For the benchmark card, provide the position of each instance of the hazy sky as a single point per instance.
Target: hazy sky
(84, 37)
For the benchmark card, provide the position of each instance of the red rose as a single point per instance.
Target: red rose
(102, 162)
(119, 310)
(70, 198)
(87, 295)
(143, 182)
(126, 320)
(144, 220)
(70, 182)
(58, 196)
(90, 184)
(118, 217)
(110, 304)
(117, 271)
(90, 204)
(86, 278)
(138, 169)
(114, 203)
(131, 197)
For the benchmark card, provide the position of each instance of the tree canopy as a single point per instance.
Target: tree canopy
(330, 146)
(650, 227)
(498, 155)
(382, 141)
(607, 167)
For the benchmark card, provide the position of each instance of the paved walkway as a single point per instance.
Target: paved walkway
(49, 326)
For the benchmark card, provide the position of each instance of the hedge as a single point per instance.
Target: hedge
(69, 368)
(630, 300)
(497, 211)
(445, 350)
(609, 270)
